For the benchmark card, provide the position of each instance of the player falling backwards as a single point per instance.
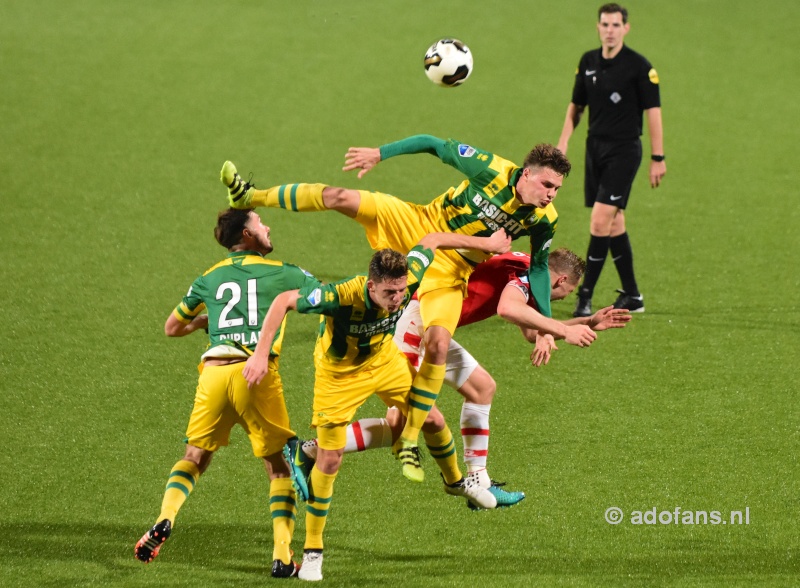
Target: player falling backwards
(496, 194)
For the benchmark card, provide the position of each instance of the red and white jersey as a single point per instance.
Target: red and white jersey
(487, 282)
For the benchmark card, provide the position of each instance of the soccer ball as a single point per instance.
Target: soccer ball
(448, 62)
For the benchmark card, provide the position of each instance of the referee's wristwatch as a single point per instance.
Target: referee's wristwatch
(658, 157)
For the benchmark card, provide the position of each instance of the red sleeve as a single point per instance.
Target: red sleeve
(487, 282)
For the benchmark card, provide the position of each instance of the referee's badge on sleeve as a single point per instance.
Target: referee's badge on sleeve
(653, 75)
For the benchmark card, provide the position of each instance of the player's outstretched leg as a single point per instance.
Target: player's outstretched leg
(182, 480)
(300, 465)
(150, 544)
(294, 197)
(311, 569)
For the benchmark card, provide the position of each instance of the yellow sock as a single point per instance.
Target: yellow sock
(283, 508)
(180, 484)
(443, 450)
(295, 197)
(424, 392)
(317, 507)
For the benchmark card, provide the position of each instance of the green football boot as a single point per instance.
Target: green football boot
(408, 454)
(240, 193)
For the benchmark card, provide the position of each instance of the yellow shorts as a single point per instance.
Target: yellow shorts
(397, 224)
(223, 400)
(338, 397)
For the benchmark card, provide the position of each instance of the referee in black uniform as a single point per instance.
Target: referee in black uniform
(618, 85)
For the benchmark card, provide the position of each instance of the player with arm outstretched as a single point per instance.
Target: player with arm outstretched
(355, 357)
(497, 194)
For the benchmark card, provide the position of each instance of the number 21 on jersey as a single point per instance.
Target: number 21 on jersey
(235, 290)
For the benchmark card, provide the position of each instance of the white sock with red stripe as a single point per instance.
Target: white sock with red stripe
(368, 434)
(361, 435)
(475, 433)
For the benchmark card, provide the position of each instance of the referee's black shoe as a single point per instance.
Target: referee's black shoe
(584, 305)
(632, 303)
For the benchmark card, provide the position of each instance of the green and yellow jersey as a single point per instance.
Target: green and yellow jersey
(486, 202)
(237, 292)
(354, 332)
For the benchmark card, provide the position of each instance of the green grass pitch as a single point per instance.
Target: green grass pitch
(115, 118)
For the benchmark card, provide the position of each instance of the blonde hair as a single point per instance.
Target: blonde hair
(564, 261)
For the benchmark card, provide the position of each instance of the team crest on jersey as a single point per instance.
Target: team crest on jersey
(466, 150)
(615, 97)
(653, 75)
(315, 297)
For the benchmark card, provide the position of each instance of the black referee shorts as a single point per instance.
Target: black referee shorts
(610, 169)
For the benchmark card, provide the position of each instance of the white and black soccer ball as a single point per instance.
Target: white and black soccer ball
(448, 62)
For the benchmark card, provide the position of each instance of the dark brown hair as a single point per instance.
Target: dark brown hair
(544, 155)
(611, 9)
(230, 224)
(387, 264)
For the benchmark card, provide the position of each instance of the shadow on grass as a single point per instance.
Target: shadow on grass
(216, 554)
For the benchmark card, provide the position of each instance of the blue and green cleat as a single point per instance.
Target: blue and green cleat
(300, 466)
(504, 498)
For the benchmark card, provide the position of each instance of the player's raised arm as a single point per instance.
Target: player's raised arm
(365, 158)
(514, 308)
(257, 364)
(499, 242)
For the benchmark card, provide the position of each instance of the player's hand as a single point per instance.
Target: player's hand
(499, 242)
(609, 318)
(658, 169)
(545, 344)
(255, 369)
(362, 158)
(580, 335)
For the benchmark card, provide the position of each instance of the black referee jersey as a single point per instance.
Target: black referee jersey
(616, 91)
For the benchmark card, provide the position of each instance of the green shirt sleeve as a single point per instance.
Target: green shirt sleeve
(419, 260)
(411, 145)
(469, 160)
(296, 278)
(318, 299)
(193, 303)
(539, 272)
